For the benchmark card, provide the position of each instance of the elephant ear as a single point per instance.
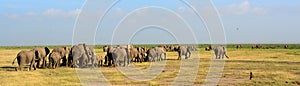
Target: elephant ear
(47, 50)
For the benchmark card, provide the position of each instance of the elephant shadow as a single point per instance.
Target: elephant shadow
(8, 68)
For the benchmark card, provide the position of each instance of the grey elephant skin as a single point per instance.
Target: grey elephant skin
(135, 55)
(142, 54)
(155, 54)
(183, 50)
(120, 56)
(80, 56)
(54, 60)
(25, 57)
(220, 52)
(108, 58)
(42, 55)
(99, 61)
(63, 52)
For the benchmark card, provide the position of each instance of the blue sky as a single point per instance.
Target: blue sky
(51, 22)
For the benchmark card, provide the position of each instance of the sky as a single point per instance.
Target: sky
(51, 22)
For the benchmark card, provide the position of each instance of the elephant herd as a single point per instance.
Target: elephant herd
(256, 46)
(82, 56)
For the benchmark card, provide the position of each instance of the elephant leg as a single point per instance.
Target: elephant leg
(57, 63)
(38, 63)
(140, 59)
(31, 64)
(99, 63)
(216, 56)
(179, 56)
(105, 59)
(50, 63)
(109, 63)
(44, 62)
(187, 55)
(64, 61)
(128, 60)
(20, 67)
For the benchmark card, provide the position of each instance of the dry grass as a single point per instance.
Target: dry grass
(269, 66)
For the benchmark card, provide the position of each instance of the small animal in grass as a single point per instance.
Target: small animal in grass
(251, 75)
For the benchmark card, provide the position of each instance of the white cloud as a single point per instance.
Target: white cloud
(58, 12)
(242, 8)
(47, 13)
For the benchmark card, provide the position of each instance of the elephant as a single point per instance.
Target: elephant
(161, 51)
(176, 48)
(108, 57)
(110, 50)
(42, 55)
(285, 46)
(193, 48)
(134, 54)
(99, 61)
(220, 52)
(80, 55)
(54, 59)
(155, 54)
(151, 55)
(142, 54)
(63, 52)
(120, 55)
(257, 46)
(183, 50)
(208, 48)
(238, 46)
(25, 57)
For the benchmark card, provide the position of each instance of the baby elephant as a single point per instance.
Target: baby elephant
(54, 59)
(99, 60)
(25, 57)
(220, 52)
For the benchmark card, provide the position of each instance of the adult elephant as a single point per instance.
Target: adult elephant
(155, 54)
(42, 55)
(151, 55)
(142, 54)
(183, 50)
(108, 57)
(286, 46)
(25, 57)
(238, 46)
(220, 52)
(80, 56)
(161, 51)
(120, 56)
(63, 52)
(134, 54)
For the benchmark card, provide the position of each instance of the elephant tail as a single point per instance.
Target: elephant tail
(14, 61)
(227, 56)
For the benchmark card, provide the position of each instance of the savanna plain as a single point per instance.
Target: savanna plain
(276, 67)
